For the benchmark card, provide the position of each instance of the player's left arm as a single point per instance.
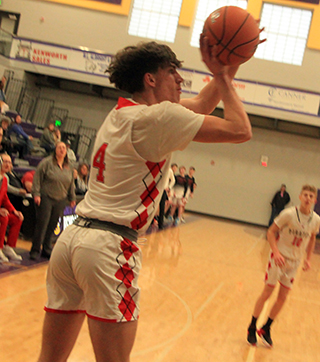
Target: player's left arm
(209, 97)
(310, 249)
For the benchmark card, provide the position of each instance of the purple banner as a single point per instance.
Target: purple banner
(116, 2)
(317, 2)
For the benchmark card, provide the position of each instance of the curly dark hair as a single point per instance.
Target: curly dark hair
(130, 64)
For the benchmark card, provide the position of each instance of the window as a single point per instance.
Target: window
(205, 8)
(286, 30)
(155, 19)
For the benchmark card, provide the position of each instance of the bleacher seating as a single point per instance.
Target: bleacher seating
(31, 129)
(37, 112)
(34, 160)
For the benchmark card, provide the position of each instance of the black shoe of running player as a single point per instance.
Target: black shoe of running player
(264, 334)
(252, 338)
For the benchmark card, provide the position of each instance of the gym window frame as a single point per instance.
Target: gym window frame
(155, 19)
(204, 9)
(286, 30)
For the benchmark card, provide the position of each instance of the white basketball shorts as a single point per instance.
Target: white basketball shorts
(285, 275)
(94, 272)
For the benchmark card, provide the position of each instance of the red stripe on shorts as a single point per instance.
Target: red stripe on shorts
(59, 311)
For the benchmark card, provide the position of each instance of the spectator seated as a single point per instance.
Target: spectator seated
(19, 194)
(36, 134)
(20, 139)
(25, 138)
(9, 216)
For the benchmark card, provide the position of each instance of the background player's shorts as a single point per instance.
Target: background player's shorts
(95, 272)
(285, 275)
(178, 192)
(178, 201)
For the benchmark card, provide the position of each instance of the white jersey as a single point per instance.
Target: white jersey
(171, 180)
(131, 161)
(295, 231)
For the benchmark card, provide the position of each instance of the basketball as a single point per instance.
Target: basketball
(235, 32)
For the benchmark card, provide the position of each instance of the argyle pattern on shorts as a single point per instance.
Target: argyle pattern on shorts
(127, 262)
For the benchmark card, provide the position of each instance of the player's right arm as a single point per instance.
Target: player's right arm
(272, 236)
(209, 96)
(235, 127)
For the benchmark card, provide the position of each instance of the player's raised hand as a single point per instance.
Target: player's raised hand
(208, 56)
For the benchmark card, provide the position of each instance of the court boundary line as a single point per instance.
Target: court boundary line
(253, 246)
(178, 335)
(263, 315)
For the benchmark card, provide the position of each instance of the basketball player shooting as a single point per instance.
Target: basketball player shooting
(95, 264)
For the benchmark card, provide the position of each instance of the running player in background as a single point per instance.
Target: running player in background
(180, 189)
(166, 199)
(191, 184)
(291, 233)
(96, 261)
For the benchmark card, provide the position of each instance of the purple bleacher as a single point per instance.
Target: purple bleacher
(11, 114)
(33, 133)
(30, 129)
(33, 160)
(28, 126)
(21, 170)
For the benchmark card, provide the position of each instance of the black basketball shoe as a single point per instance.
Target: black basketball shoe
(252, 338)
(264, 334)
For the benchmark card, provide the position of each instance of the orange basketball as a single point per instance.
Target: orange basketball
(235, 32)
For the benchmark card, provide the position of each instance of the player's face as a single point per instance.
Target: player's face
(168, 84)
(307, 199)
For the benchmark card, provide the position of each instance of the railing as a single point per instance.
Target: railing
(71, 125)
(86, 142)
(15, 90)
(42, 111)
(57, 114)
(5, 42)
(27, 104)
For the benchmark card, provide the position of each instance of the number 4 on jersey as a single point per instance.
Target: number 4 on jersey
(98, 162)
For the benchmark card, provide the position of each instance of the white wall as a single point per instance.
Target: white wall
(236, 186)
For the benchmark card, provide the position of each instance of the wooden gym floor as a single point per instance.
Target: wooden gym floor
(199, 282)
